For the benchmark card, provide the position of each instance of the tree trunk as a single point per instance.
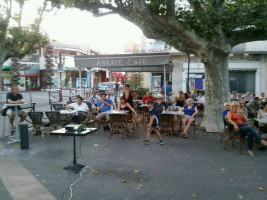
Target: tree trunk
(216, 89)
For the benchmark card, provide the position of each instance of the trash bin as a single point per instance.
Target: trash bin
(24, 136)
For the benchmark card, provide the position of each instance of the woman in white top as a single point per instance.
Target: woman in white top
(78, 106)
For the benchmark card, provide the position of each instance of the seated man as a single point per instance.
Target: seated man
(147, 97)
(159, 105)
(243, 107)
(253, 107)
(15, 97)
(94, 99)
(102, 106)
(78, 106)
(226, 109)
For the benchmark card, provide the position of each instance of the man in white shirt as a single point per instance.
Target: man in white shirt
(78, 106)
(200, 98)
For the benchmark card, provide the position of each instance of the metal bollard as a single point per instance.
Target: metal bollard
(24, 135)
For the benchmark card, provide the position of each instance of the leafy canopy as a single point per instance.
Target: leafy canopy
(193, 26)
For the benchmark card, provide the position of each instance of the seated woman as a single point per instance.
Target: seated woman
(237, 118)
(262, 113)
(180, 100)
(190, 111)
(78, 106)
(126, 106)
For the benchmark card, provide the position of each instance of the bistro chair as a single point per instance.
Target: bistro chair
(55, 120)
(145, 115)
(86, 118)
(226, 129)
(233, 137)
(130, 122)
(37, 122)
(194, 124)
(58, 107)
(167, 122)
(118, 122)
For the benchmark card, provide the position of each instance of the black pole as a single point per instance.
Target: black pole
(188, 72)
(74, 151)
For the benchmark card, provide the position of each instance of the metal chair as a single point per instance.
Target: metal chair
(55, 120)
(167, 122)
(37, 122)
(58, 107)
(118, 122)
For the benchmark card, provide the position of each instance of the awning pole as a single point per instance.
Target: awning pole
(165, 84)
(80, 75)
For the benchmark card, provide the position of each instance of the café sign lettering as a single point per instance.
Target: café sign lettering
(121, 62)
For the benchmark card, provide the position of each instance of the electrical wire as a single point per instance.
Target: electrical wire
(84, 169)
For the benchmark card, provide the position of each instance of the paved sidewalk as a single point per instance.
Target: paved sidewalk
(193, 168)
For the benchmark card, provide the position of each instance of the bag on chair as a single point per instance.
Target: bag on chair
(3, 110)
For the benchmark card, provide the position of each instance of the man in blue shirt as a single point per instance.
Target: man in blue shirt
(15, 98)
(102, 106)
(168, 89)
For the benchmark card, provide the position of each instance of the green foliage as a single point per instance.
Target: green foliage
(49, 72)
(135, 80)
(142, 91)
(21, 42)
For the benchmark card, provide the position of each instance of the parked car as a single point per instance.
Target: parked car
(103, 86)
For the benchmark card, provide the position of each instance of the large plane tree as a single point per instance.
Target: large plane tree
(208, 29)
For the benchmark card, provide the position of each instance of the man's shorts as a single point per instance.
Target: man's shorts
(10, 111)
(154, 127)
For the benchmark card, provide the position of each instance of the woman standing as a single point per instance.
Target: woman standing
(128, 95)
(237, 118)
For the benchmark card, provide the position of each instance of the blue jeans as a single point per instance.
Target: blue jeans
(250, 133)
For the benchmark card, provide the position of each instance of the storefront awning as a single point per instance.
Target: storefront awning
(7, 64)
(125, 61)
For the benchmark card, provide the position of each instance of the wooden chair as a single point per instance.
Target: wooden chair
(193, 123)
(167, 122)
(226, 130)
(233, 137)
(145, 115)
(130, 123)
(89, 121)
(118, 122)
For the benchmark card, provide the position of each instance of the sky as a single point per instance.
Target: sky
(72, 26)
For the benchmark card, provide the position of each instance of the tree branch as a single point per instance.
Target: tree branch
(155, 26)
(248, 35)
(170, 9)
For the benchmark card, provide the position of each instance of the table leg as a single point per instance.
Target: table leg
(74, 166)
(74, 151)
